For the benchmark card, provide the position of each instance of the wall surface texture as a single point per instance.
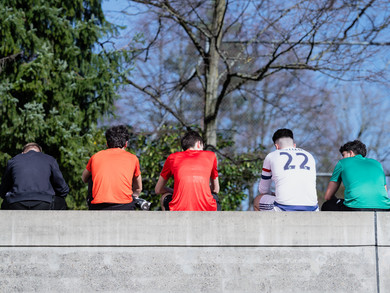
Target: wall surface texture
(119, 251)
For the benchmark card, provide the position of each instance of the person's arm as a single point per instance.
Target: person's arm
(85, 176)
(165, 173)
(332, 189)
(214, 181)
(334, 182)
(266, 176)
(214, 185)
(57, 181)
(137, 186)
(160, 186)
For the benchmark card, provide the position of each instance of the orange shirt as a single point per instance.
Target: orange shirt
(113, 171)
(191, 170)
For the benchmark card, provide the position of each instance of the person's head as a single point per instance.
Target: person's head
(117, 136)
(283, 138)
(353, 148)
(192, 140)
(31, 146)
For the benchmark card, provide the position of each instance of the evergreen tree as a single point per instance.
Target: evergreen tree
(55, 81)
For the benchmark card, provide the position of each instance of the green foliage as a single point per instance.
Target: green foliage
(152, 152)
(55, 83)
(237, 173)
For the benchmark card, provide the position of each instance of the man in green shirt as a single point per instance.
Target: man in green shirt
(363, 179)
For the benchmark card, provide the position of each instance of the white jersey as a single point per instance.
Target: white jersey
(294, 172)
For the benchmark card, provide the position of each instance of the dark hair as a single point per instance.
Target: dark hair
(283, 132)
(31, 145)
(117, 136)
(190, 139)
(356, 146)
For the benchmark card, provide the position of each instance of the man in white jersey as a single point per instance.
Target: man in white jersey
(294, 172)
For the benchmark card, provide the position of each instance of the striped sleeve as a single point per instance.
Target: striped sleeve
(266, 175)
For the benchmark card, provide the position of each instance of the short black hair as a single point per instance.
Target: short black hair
(356, 146)
(117, 136)
(283, 132)
(190, 139)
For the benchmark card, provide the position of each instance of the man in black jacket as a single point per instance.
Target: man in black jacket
(32, 180)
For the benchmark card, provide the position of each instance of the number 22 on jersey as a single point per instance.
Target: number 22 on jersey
(293, 160)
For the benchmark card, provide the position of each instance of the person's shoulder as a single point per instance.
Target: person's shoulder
(176, 154)
(36, 155)
(100, 156)
(208, 153)
(304, 151)
(270, 155)
(373, 161)
(105, 152)
(17, 157)
(13, 160)
(40, 158)
(131, 155)
(46, 157)
(181, 154)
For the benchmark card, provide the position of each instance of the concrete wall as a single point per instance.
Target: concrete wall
(88, 251)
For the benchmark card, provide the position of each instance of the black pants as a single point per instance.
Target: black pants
(58, 203)
(27, 205)
(337, 204)
(113, 206)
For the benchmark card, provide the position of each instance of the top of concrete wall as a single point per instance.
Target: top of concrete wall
(143, 228)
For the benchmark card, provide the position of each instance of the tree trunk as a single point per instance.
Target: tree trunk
(212, 74)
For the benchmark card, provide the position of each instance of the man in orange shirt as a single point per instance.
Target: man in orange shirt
(196, 178)
(115, 173)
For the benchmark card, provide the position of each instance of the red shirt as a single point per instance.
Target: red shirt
(113, 171)
(191, 170)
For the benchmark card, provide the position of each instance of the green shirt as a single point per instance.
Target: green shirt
(364, 182)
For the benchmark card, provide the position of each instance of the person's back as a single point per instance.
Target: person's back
(196, 178)
(293, 171)
(364, 182)
(32, 180)
(115, 173)
(294, 174)
(363, 179)
(33, 171)
(191, 170)
(112, 173)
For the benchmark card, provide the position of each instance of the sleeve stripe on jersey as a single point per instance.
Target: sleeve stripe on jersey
(266, 177)
(266, 207)
(266, 170)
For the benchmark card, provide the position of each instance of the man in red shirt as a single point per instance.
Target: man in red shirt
(115, 173)
(195, 174)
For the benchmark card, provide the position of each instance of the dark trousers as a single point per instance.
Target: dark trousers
(113, 206)
(337, 204)
(27, 205)
(58, 203)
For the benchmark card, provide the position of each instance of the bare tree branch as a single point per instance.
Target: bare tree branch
(179, 19)
(237, 45)
(157, 99)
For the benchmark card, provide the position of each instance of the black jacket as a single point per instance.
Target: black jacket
(32, 176)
